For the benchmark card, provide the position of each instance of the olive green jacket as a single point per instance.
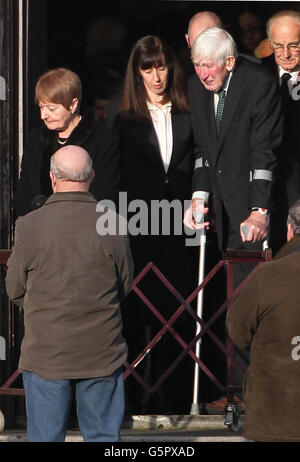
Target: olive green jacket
(70, 281)
(265, 319)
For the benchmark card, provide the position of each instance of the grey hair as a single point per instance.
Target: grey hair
(62, 172)
(215, 43)
(281, 14)
(294, 217)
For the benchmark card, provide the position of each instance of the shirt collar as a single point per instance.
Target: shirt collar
(152, 106)
(226, 84)
(294, 75)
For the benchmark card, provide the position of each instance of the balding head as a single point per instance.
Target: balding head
(199, 22)
(283, 30)
(71, 169)
(293, 221)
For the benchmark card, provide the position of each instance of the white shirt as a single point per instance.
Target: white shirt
(224, 87)
(162, 122)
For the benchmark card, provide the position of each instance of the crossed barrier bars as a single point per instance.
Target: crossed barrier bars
(232, 257)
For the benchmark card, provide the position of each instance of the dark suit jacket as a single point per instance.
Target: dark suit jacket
(144, 177)
(70, 281)
(287, 172)
(100, 141)
(143, 174)
(250, 131)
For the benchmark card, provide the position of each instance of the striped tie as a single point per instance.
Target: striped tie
(220, 108)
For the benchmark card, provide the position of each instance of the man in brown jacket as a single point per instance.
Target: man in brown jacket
(265, 319)
(70, 280)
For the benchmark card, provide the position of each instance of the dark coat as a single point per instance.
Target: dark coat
(70, 282)
(287, 172)
(265, 319)
(99, 141)
(143, 174)
(144, 178)
(250, 132)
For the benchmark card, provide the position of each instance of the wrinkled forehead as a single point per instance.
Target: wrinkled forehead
(285, 30)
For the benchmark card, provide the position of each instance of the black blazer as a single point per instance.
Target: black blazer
(250, 131)
(287, 172)
(144, 178)
(101, 143)
(143, 174)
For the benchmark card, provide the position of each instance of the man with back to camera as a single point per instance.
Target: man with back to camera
(283, 30)
(69, 280)
(236, 117)
(265, 320)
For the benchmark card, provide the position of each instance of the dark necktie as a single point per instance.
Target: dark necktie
(284, 89)
(220, 108)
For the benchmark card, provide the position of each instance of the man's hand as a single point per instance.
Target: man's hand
(194, 215)
(255, 226)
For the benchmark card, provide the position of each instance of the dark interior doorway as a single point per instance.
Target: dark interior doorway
(69, 24)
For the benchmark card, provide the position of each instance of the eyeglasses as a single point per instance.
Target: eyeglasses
(292, 47)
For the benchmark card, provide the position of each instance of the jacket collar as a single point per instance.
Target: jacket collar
(288, 247)
(79, 135)
(75, 196)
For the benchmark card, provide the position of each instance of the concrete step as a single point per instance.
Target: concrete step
(160, 428)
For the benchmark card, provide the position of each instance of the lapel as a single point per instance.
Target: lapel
(179, 135)
(234, 94)
(145, 132)
(207, 119)
(155, 153)
(176, 133)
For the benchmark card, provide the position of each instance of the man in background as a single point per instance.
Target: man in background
(283, 30)
(198, 23)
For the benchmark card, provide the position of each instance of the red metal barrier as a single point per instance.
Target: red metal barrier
(228, 262)
(231, 258)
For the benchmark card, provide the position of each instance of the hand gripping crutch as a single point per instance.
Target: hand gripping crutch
(201, 272)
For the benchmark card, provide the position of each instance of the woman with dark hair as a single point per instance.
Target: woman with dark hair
(58, 94)
(157, 160)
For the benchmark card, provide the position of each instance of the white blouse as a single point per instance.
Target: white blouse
(162, 122)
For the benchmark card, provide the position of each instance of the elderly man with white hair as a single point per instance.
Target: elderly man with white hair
(237, 125)
(235, 110)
